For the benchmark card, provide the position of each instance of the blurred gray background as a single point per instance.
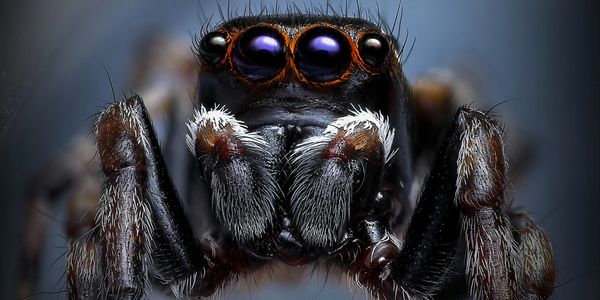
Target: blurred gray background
(544, 55)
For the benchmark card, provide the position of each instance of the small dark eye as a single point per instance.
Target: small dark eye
(213, 47)
(323, 53)
(259, 53)
(373, 49)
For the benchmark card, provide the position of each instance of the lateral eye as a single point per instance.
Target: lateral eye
(259, 53)
(213, 47)
(374, 49)
(322, 54)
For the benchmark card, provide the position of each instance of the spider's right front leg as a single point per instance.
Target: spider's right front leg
(141, 229)
(463, 197)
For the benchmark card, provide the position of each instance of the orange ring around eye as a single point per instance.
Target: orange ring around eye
(222, 61)
(343, 76)
(370, 69)
(257, 83)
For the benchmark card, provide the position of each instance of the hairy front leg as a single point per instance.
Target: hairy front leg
(493, 266)
(113, 259)
(417, 267)
(141, 229)
(463, 196)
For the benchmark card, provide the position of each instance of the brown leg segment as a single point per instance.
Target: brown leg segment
(493, 265)
(539, 271)
(124, 218)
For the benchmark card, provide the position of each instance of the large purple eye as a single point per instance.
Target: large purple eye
(259, 53)
(323, 54)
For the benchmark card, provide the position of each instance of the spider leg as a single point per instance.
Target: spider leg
(539, 272)
(415, 269)
(493, 264)
(70, 177)
(141, 229)
(124, 223)
(463, 196)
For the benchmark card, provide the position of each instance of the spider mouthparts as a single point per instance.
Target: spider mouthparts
(292, 252)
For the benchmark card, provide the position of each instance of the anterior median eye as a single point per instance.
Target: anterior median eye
(322, 54)
(259, 53)
(373, 49)
(213, 47)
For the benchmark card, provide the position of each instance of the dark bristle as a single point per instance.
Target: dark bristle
(412, 46)
(347, 12)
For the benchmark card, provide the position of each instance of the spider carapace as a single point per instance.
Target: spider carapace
(306, 135)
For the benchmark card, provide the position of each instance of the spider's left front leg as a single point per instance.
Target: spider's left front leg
(141, 229)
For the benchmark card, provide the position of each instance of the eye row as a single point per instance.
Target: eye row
(321, 54)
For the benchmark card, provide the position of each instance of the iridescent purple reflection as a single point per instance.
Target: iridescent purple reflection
(324, 45)
(265, 43)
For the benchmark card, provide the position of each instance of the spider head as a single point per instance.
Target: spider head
(286, 69)
(288, 78)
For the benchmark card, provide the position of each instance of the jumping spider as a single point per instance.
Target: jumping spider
(307, 139)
